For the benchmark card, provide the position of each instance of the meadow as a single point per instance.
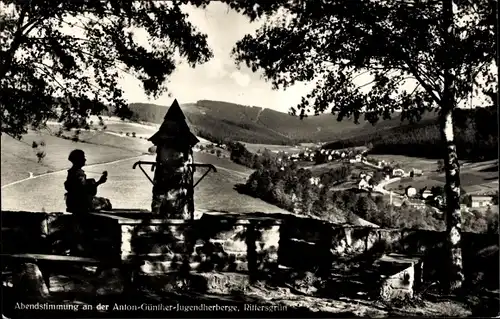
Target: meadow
(126, 187)
(129, 188)
(408, 162)
(254, 148)
(19, 158)
(475, 178)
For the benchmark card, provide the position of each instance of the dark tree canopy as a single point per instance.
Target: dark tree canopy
(44, 67)
(396, 44)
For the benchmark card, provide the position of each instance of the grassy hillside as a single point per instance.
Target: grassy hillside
(217, 120)
(19, 157)
(46, 192)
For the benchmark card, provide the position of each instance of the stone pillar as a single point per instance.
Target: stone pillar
(173, 179)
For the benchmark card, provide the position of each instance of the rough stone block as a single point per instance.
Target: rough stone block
(158, 267)
(55, 222)
(340, 241)
(301, 254)
(200, 282)
(235, 245)
(268, 237)
(372, 238)
(28, 282)
(400, 275)
(391, 238)
(356, 240)
(235, 233)
(311, 230)
(110, 282)
(219, 283)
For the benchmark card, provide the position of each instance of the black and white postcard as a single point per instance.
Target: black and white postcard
(286, 158)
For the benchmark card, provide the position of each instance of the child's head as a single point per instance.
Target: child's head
(77, 157)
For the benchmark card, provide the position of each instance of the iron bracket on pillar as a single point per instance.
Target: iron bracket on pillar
(193, 166)
(153, 165)
(209, 166)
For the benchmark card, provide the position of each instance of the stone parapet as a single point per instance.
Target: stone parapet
(227, 242)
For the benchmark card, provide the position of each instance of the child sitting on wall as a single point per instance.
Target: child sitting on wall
(80, 195)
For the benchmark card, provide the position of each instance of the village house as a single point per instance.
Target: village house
(410, 191)
(478, 201)
(364, 184)
(398, 172)
(357, 159)
(426, 194)
(439, 201)
(314, 180)
(416, 172)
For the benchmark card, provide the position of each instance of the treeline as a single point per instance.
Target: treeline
(223, 129)
(298, 190)
(476, 137)
(293, 190)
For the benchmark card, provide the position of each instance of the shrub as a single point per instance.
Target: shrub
(152, 149)
(40, 155)
(128, 134)
(133, 134)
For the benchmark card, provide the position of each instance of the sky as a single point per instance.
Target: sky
(219, 79)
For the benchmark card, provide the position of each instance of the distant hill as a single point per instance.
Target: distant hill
(217, 120)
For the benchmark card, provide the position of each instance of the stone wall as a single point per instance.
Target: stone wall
(29, 232)
(230, 242)
(314, 244)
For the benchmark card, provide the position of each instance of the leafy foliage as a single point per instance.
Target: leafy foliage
(44, 67)
(290, 188)
(397, 44)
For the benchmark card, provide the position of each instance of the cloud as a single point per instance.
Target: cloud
(241, 79)
(215, 68)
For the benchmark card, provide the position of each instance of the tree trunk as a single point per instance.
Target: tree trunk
(453, 214)
(451, 164)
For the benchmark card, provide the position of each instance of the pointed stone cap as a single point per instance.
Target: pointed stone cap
(174, 129)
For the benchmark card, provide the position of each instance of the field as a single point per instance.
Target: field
(475, 178)
(19, 158)
(408, 163)
(419, 183)
(254, 148)
(126, 188)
